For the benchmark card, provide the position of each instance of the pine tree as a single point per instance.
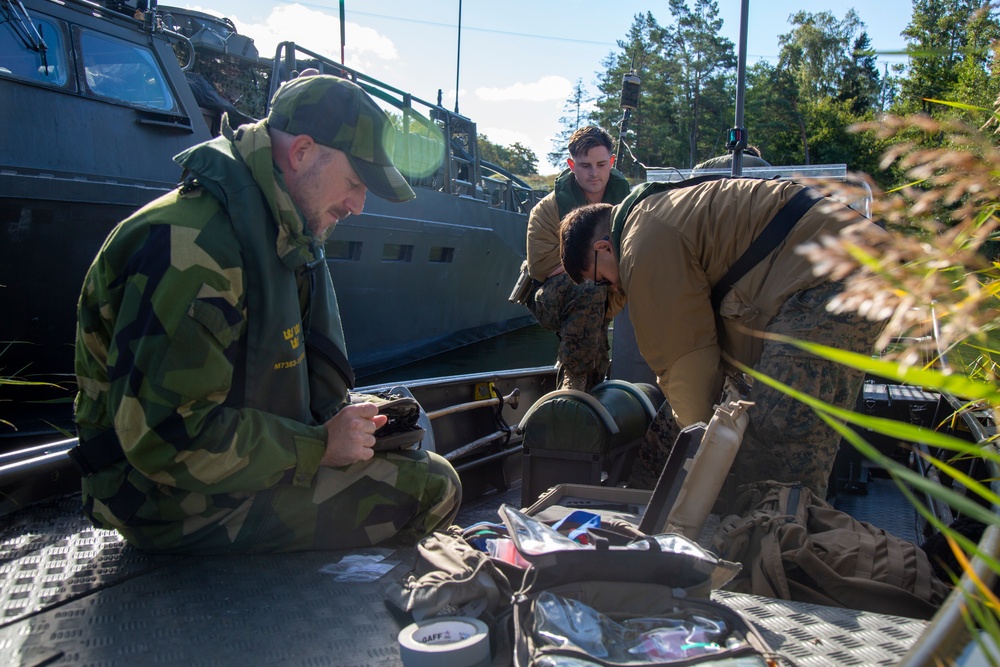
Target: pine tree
(706, 61)
(861, 81)
(651, 136)
(575, 115)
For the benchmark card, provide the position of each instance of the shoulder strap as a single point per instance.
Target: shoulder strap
(769, 239)
(640, 192)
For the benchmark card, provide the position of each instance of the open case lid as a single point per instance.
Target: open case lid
(671, 560)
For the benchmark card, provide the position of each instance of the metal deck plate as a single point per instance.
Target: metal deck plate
(813, 635)
(74, 595)
(883, 506)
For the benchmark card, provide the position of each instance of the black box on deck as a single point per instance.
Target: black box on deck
(545, 468)
(902, 402)
(905, 403)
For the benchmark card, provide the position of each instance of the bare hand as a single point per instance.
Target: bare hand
(349, 436)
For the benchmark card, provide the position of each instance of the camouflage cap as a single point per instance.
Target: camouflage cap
(338, 113)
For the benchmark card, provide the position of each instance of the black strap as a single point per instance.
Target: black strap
(97, 453)
(328, 349)
(644, 190)
(769, 239)
(794, 496)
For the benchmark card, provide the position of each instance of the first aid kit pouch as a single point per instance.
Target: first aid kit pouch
(585, 601)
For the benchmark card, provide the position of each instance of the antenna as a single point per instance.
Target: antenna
(629, 101)
(458, 57)
(342, 35)
(738, 134)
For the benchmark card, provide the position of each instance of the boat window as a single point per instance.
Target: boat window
(441, 255)
(394, 252)
(349, 250)
(124, 71)
(16, 59)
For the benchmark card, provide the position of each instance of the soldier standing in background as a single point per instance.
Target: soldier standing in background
(751, 158)
(578, 314)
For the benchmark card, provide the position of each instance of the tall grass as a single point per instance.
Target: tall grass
(937, 285)
(14, 379)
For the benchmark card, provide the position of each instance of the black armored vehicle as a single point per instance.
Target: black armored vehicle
(96, 99)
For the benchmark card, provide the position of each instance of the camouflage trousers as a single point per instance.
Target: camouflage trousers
(785, 439)
(394, 498)
(578, 315)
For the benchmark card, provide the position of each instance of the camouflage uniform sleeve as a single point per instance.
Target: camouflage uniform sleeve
(169, 328)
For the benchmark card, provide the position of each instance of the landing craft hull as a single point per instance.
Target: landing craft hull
(395, 310)
(433, 274)
(79, 155)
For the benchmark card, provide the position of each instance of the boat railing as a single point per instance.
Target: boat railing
(860, 199)
(507, 191)
(435, 148)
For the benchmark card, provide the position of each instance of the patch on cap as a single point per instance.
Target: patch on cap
(338, 113)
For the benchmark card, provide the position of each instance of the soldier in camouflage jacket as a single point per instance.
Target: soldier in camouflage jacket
(213, 409)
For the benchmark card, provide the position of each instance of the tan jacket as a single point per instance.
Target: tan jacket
(543, 238)
(676, 245)
(543, 248)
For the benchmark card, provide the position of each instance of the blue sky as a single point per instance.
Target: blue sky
(519, 58)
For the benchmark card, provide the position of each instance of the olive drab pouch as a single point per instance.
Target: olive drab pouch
(588, 602)
(524, 288)
(402, 430)
(796, 546)
(451, 578)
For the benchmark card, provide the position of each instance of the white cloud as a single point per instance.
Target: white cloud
(546, 88)
(504, 136)
(318, 31)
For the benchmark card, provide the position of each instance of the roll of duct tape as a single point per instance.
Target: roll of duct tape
(455, 641)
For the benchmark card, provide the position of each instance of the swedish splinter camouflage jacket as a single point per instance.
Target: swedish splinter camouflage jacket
(208, 405)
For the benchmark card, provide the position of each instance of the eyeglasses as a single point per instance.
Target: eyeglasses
(599, 283)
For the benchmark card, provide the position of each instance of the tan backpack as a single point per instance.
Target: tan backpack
(795, 546)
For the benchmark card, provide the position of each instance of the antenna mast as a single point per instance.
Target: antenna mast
(738, 135)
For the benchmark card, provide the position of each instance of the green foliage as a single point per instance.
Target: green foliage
(828, 127)
(801, 109)
(516, 158)
(940, 297)
(706, 62)
(817, 52)
(771, 112)
(14, 380)
(944, 35)
(651, 130)
(862, 84)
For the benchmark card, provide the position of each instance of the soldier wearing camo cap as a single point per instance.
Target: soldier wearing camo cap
(213, 406)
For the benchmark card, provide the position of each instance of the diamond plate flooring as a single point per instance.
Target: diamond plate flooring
(71, 594)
